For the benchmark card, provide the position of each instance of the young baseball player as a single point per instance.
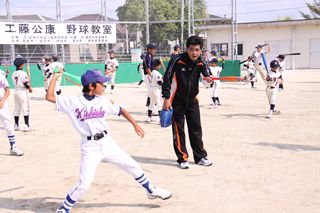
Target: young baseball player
(55, 65)
(88, 114)
(140, 69)
(252, 72)
(155, 89)
(110, 69)
(257, 54)
(176, 52)
(215, 70)
(45, 68)
(282, 69)
(5, 115)
(21, 82)
(272, 79)
(148, 67)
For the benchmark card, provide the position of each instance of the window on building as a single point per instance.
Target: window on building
(240, 49)
(221, 48)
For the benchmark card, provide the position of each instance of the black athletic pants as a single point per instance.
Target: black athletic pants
(192, 115)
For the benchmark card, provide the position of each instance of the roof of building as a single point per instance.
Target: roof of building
(29, 18)
(264, 24)
(89, 17)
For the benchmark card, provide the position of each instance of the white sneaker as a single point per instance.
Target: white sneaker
(16, 127)
(16, 152)
(184, 165)
(62, 210)
(204, 162)
(149, 119)
(26, 128)
(158, 192)
(269, 115)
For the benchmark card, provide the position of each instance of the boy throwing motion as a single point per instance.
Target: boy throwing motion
(88, 114)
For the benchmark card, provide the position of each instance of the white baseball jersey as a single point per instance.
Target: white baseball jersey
(282, 66)
(112, 64)
(19, 78)
(87, 117)
(216, 71)
(55, 65)
(273, 78)
(155, 78)
(257, 58)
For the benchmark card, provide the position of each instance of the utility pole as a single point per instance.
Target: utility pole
(189, 18)
(104, 19)
(192, 13)
(58, 13)
(9, 16)
(182, 23)
(146, 7)
(234, 45)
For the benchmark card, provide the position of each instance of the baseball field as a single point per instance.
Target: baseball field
(260, 165)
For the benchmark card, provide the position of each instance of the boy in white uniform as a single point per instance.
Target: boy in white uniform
(155, 89)
(272, 80)
(282, 69)
(215, 71)
(110, 69)
(21, 82)
(55, 65)
(46, 71)
(88, 114)
(5, 115)
(252, 72)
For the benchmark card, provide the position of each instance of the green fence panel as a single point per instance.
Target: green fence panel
(127, 72)
(231, 68)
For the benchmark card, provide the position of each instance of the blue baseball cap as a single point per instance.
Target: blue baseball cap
(274, 64)
(19, 61)
(93, 76)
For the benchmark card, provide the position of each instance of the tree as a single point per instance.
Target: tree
(284, 18)
(133, 10)
(314, 9)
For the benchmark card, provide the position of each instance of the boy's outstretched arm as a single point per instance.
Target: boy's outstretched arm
(136, 126)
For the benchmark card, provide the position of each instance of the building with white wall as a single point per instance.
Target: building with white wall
(284, 36)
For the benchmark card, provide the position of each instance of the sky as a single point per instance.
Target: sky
(248, 10)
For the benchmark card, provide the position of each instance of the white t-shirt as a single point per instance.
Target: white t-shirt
(87, 117)
(19, 78)
(155, 78)
(112, 64)
(3, 84)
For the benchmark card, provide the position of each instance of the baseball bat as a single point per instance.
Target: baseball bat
(7, 70)
(226, 78)
(28, 72)
(243, 61)
(291, 54)
(264, 61)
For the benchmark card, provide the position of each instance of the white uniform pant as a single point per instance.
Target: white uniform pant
(5, 119)
(92, 153)
(21, 102)
(155, 98)
(214, 92)
(272, 94)
(57, 87)
(147, 81)
(113, 78)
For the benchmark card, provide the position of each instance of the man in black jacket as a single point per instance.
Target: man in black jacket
(179, 90)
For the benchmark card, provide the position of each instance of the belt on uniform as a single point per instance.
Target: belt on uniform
(97, 136)
(271, 87)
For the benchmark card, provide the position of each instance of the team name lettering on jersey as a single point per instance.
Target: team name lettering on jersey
(83, 114)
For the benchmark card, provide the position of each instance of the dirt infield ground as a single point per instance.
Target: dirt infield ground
(260, 165)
